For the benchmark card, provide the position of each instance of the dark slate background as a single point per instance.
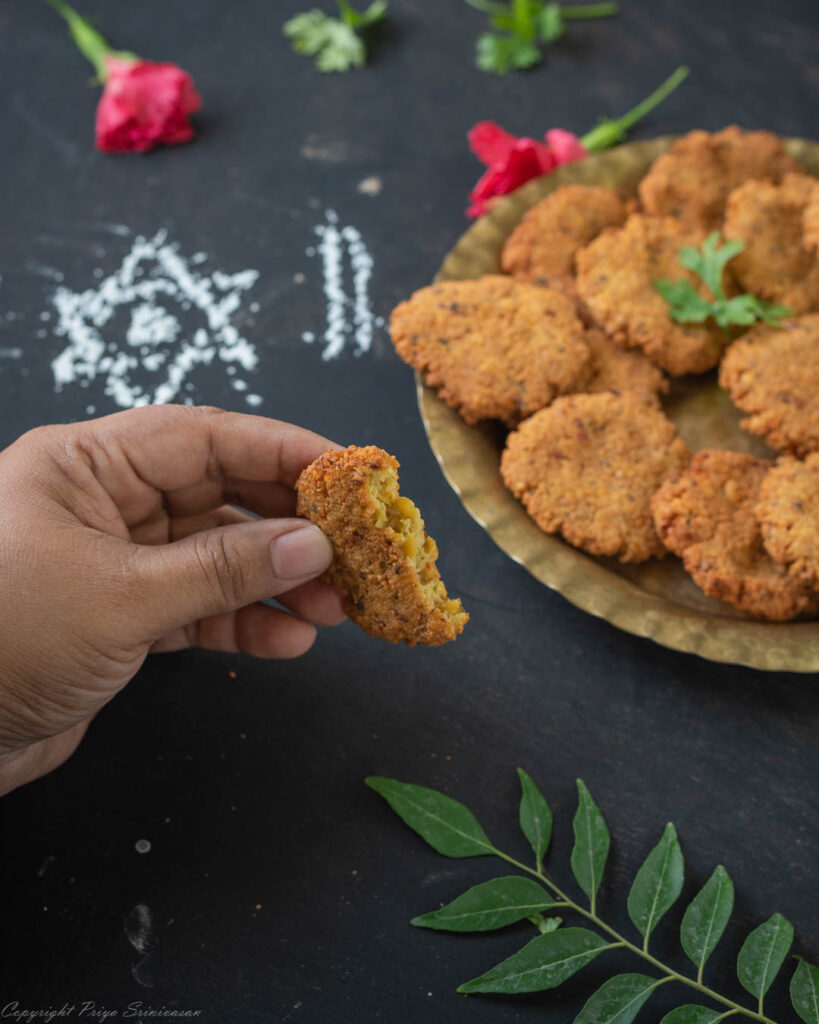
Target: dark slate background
(280, 887)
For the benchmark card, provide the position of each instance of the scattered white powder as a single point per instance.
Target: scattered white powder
(151, 364)
(371, 186)
(254, 400)
(343, 252)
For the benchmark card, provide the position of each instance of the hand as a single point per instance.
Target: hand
(121, 536)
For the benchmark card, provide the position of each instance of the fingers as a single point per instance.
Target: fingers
(316, 602)
(175, 447)
(40, 758)
(154, 532)
(257, 630)
(221, 570)
(265, 498)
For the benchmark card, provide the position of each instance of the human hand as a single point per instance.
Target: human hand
(120, 536)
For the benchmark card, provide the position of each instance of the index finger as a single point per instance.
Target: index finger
(171, 448)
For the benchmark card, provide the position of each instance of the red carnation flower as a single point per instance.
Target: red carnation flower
(143, 103)
(512, 161)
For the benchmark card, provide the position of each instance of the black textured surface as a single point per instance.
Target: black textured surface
(280, 887)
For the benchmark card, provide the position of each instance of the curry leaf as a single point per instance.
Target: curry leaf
(805, 992)
(535, 816)
(545, 962)
(618, 1000)
(591, 843)
(763, 953)
(706, 916)
(448, 826)
(658, 883)
(692, 1013)
(490, 905)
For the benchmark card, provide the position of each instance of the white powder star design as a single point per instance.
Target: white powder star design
(150, 360)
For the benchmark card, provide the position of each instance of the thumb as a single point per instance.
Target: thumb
(223, 569)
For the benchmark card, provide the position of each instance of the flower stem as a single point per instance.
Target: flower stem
(488, 7)
(91, 44)
(581, 11)
(609, 133)
(670, 973)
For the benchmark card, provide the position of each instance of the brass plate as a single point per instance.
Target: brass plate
(657, 599)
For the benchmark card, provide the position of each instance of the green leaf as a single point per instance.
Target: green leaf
(535, 816)
(355, 19)
(805, 992)
(709, 261)
(617, 1001)
(658, 883)
(706, 916)
(546, 924)
(692, 1013)
(591, 843)
(448, 827)
(488, 906)
(771, 313)
(501, 54)
(545, 962)
(763, 953)
(333, 43)
(550, 23)
(687, 305)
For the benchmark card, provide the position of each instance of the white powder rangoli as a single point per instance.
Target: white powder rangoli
(146, 355)
(344, 257)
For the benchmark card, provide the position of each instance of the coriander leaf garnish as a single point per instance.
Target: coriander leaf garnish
(708, 262)
(335, 43)
(557, 953)
(523, 26)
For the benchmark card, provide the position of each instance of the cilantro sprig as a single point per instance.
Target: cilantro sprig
(708, 262)
(556, 952)
(524, 26)
(335, 43)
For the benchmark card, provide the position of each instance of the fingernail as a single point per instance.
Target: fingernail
(302, 552)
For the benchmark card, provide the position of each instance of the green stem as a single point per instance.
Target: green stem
(609, 133)
(91, 44)
(487, 7)
(580, 11)
(671, 974)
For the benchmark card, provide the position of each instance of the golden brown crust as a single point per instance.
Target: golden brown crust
(788, 516)
(613, 368)
(774, 265)
(587, 466)
(615, 278)
(772, 373)
(542, 248)
(692, 180)
(810, 220)
(705, 514)
(493, 348)
(385, 593)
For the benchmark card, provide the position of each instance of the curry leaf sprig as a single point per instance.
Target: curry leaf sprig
(335, 43)
(708, 262)
(524, 26)
(557, 953)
